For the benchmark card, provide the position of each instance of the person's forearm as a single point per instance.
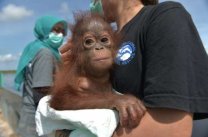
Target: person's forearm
(43, 90)
(160, 123)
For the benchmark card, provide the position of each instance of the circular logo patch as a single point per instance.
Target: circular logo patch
(125, 54)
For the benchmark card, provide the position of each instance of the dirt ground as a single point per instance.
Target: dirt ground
(5, 130)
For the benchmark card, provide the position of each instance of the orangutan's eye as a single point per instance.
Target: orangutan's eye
(104, 40)
(89, 42)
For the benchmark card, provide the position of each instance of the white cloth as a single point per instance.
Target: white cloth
(97, 122)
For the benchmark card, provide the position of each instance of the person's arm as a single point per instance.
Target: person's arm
(43, 69)
(160, 123)
(42, 75)
(43, 90)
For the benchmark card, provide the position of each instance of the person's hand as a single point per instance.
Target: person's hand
(130, 109)
(65, 51)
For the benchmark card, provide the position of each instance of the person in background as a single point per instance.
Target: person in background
(161, 61)
(36, 68)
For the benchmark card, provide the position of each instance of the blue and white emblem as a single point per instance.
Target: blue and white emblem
(125, 54)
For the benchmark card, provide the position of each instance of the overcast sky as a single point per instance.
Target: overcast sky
(17, 18)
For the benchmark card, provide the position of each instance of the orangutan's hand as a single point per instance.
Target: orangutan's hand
(65, 51)
(130, 109)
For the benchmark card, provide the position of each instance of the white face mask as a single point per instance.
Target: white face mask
(55, 39)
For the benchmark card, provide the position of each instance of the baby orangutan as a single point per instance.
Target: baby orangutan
(84, 82)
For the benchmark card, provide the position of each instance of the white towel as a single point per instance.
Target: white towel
(97, 122)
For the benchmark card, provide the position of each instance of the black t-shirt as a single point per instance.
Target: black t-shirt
(162, 60)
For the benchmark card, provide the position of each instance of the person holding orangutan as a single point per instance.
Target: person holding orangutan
(161, 61)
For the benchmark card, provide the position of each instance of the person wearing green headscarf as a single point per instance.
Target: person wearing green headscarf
(36, 68)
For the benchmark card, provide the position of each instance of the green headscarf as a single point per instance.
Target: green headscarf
(42, 29)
